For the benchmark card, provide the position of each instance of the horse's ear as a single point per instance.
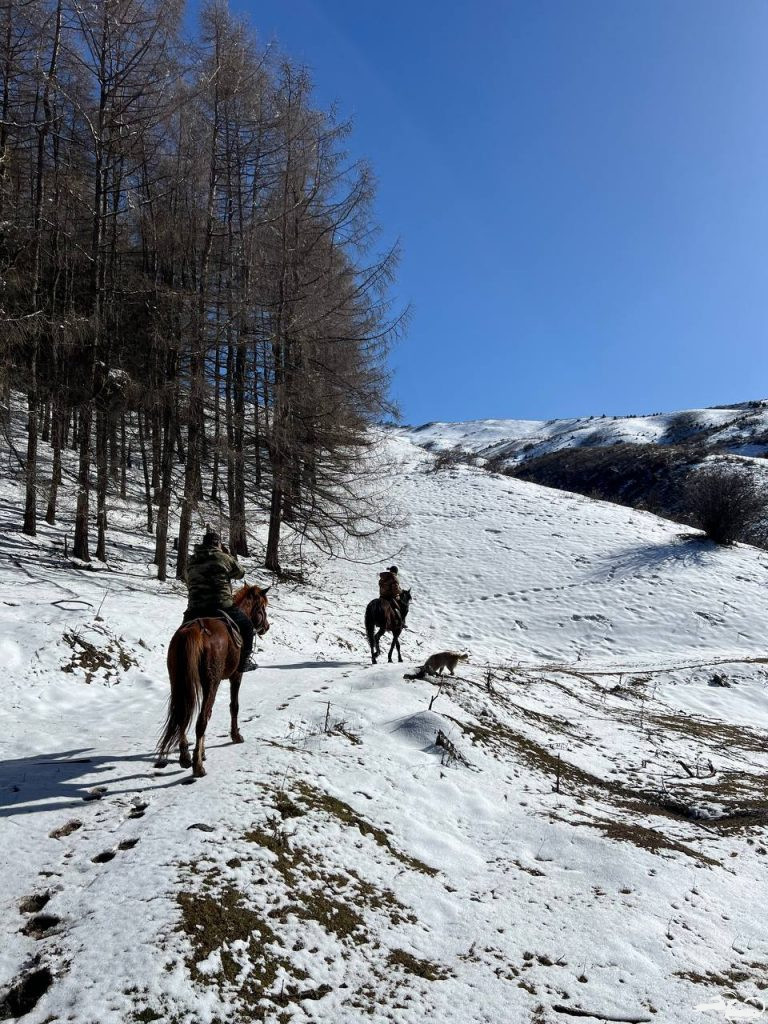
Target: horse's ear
(266, 589)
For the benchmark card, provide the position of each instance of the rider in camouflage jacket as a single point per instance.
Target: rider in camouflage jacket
(209, 575)
(389, 590)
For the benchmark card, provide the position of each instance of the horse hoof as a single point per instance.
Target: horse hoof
(237, 738)
(185, 761)
(199, 773)
(161, 762)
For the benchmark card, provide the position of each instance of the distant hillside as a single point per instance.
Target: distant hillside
(639, 461)
(735, 429)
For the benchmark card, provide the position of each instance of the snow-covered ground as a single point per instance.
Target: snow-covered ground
(739, 429)
(576, 822)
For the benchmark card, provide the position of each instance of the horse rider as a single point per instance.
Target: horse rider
(209, 574)
(389, 591)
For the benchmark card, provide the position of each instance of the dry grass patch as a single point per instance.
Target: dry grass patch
(427, 969)
(317, 800)
(213, 923)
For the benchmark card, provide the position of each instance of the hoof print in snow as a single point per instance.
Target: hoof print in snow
(127, 844)
(95, 794)
(65, 830)
(24, 995)
(201, 826)
(35, 903)
(104, 857)
(41, 925)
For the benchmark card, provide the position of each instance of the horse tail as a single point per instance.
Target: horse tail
(184, 657)
(370, 622)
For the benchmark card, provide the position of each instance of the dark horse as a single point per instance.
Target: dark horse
(202, 653)
(379, 615)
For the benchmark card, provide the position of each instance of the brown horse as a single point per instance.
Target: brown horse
(379, 615)
(202, 653)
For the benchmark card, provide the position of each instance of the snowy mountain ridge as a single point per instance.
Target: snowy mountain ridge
(574, 825)
(737, 429)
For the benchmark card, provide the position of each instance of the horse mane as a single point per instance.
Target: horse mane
(242, 595)
(246, 593)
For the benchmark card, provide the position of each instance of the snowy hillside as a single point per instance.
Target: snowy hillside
(574, 826)
(739, 429)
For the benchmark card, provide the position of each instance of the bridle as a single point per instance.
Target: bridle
(258, 617)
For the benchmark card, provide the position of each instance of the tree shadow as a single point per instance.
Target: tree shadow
(41, 560)
(688, 550)
(64, 780)
(316, 664)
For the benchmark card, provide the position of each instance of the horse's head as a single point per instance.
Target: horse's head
(405, 601)
(253, 601)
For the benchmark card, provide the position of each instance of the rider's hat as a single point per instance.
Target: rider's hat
(393, 568)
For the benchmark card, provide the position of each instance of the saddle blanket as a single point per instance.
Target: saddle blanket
(221, 615)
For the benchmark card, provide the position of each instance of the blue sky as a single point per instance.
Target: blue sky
(580, 187)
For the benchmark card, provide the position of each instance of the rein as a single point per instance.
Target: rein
(257, 613)
(258, 618)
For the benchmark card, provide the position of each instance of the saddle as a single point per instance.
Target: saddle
(392, 614)
(232, 627)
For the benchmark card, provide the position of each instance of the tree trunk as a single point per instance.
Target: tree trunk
(47, 417)
(164, 504)
(124, 456)
(216, 424)
(147, 483)
(272, 560)
(30, 471)
(156, 444)
(192, 466)
(114, 451)
(102, 481)
(57, 429)
(80, 546)
(237, 528)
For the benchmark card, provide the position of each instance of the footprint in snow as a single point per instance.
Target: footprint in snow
(66, 829)
(104, 856)
(97, 793)
(107, 855)
(41, 925)
(34, 904)
(138, 808)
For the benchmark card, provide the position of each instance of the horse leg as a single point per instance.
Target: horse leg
(202, 722)
(184, 759)
(377, 640)
(234, 706)
(395, 643)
